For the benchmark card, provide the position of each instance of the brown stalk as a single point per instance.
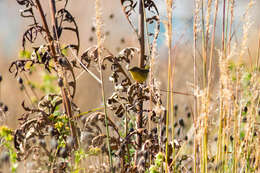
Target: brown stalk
(139, 118)
(66, 101)
(65, 98)
(45, 26)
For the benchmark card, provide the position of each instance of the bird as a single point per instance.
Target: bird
(139, 74)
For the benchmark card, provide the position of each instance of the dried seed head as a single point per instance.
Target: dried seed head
(175, 107)
(63, 152)
(122, 40)
(154, 130)
(1, 78)
(60, 82)
(178, 131)
(245, 109)
(5, 109)
(107, 33)
(111, 16)
(93, 28)
(231, 138)
(63, 62)
(186, 138)
(19, 64)
(181, 122)
(131, 129)
(90, 39)
(20, 80)
(244, 119)
(188, 114)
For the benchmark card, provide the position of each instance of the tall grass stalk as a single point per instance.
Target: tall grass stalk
(258, 52)
(169, 8)
(100, 40)
(195, 83)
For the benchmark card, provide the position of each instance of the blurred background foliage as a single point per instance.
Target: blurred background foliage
(118, 35)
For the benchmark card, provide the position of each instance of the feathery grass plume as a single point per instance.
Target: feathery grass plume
(246, 26)
(100, 42)
(208, 21)
(258, 52)
(212, 44)
(196, 30)
(153, 82)
(232, 5)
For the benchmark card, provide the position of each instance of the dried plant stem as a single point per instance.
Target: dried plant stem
(45, 26)
(139, 118)
(204, 51)
(204, 57)
(99, 45)
(235, 132)
(195, 18)
(212, 48)
(65, 95)
(231, 23)
(169, 4)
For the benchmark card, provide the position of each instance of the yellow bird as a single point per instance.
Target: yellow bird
(139, 74)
